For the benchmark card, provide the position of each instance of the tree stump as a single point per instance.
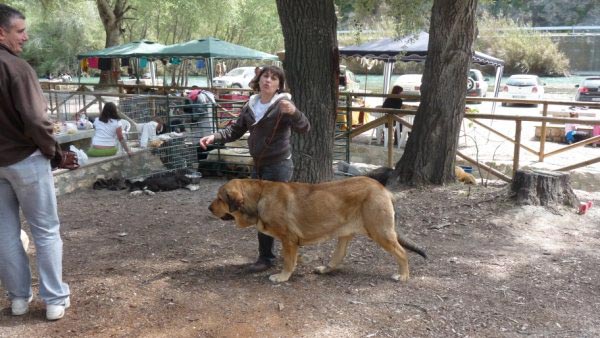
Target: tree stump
(542, 187)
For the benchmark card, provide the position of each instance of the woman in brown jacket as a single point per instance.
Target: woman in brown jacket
(269, 116)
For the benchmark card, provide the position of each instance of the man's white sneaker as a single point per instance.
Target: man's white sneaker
(55, 312)
(20, 306)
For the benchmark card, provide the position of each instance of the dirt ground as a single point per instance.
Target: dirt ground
(161, 266)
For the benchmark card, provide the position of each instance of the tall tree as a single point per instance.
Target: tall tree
(312, 69)
(112, 15)
(431, 149)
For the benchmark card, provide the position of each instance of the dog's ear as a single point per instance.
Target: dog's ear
(235, 200)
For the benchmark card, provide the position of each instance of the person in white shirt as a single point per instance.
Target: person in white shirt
(149, 130)
(108, 132)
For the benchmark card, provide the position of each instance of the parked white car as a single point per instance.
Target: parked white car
(235, 78)
(410, 83)
(523, 86)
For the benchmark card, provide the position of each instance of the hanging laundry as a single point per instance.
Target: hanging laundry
(175, 61)
(200, 64)
(143, 62)
(125, 62)
(84, 65)
(93, 62)
(104, 64)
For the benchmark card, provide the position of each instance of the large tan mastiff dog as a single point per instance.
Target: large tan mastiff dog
(299, 214)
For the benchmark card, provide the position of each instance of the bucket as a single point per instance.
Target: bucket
(467, 168)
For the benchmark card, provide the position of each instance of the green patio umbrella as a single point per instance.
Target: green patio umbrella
(134, 49)
(211, 48)
(131, 49)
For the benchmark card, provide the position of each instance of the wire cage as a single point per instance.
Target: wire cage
(174, 148)
(177, 144)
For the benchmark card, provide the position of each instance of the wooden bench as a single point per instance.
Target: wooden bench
(566, 113)
(556, 132)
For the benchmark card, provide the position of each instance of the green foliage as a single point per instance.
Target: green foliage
(546, 12)
(385, 18)
(523, 51)
(58, 31)
(252, 23)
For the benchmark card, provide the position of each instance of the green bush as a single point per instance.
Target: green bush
(523, 50)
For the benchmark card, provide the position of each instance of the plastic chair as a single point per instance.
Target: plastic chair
(125, 127)
(379, 131)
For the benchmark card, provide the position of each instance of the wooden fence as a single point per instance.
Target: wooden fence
(399, 115)
(94, 100)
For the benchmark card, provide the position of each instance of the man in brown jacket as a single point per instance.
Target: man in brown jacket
(26, 182)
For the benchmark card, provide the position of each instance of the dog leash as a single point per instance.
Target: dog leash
(268, 143)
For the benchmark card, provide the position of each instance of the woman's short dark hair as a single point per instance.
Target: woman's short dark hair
(109, 111)
(397, 90)
(278, 72)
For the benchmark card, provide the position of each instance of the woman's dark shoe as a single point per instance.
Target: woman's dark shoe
(262, 264)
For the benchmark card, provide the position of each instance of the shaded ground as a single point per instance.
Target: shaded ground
(161, 266)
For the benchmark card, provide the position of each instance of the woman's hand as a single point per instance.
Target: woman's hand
(206, 140)
(287, 107)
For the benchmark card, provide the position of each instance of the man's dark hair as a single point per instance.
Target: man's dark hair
(8, 13)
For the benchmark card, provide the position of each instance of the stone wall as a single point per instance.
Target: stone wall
(140, 164)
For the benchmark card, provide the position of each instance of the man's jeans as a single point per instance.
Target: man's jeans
(29, 185)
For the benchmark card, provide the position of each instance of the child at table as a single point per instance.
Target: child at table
(572, 135)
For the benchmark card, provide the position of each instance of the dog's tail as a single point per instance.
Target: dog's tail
(408, 244)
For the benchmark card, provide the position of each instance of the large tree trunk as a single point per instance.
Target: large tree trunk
(312, 69)
(112, 20)
(431, 148)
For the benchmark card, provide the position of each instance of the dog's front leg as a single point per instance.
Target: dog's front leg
(290, 256)
(338, 256)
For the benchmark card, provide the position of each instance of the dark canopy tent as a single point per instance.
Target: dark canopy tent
(211, 48)
(411, 48)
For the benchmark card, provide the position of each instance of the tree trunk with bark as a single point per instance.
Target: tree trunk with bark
(541, 187)
(431, 148)
(312, 69)
(112, 20)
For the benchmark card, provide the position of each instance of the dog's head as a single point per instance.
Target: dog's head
(234, 202)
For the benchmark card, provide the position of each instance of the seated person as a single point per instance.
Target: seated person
(149, 130)
(203, 101)
(107, 132)
(572, 135)
(395, 103)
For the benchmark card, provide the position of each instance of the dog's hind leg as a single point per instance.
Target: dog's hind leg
(290, 256)
(390, 243)
(337, 257)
